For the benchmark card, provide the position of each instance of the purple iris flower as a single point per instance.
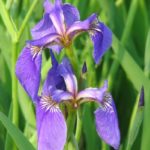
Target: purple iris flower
(61, 24)
(61, 87)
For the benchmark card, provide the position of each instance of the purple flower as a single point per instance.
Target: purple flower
(61, 86)
(61, 24)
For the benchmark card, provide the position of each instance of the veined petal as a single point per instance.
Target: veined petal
(102, 39)
(57, 17)
(80, 26)
(107, 122)
(66, 72)
(44, 41)
(71, 14)
(95, 94)
(51, 127)
(28, 72)
(43, 28)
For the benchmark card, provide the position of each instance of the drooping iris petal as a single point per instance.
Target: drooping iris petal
(70, 79)
(102, 39)
(43, 28)
(57, 17)
(95, 94)
(107, 124)
(51, 127)
(80, 26)
(28, 72)
(71, 14)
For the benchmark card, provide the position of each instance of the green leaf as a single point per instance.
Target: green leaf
(135, 123)
(147, 56)
(8, 21)
(20, 140)
(133, 71)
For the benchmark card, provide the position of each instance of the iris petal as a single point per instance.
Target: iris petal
(48, 6)
(53, 80)
(107, 124)
(71, 14)
(57, 17)
(51, 127)
(60, 95)
(70, 79)
(28, 72)
(44, 41)
(102, 39)
(80, 26)
(95, 94)
(43, 28)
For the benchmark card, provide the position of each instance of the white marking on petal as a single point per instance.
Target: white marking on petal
(49, 105)
(106, 104)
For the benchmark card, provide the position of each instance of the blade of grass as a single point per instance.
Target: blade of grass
(20, 140)
(133, 71)
(125, 36)
(25, 21)
(8, 21)
(135, 122)
(147, 56)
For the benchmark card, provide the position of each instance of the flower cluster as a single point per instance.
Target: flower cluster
(59, 26)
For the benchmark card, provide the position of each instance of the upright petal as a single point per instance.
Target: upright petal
(28, 72)
(48, 6)
(107, 122)
(66, 72)
(71, 14)
(102, 39)
(43, 28)
(57, 17)
(51, 127)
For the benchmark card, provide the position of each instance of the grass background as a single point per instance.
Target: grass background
(126, 66)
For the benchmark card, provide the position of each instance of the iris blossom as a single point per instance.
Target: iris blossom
(61, 87)
(61, 24)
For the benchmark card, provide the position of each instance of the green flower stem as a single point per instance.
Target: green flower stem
(15, 114)
(124, 39)
(14, 86)
(8, 21)
(78, 126)
(71, 122)
(73, 59)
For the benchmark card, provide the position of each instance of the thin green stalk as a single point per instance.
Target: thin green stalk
(8, 21)
(134, 113)
(124, 39)
(15, 113)
(14, 86)
(25, 21)
(78, 127)
(71, 122)
(73, 58)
